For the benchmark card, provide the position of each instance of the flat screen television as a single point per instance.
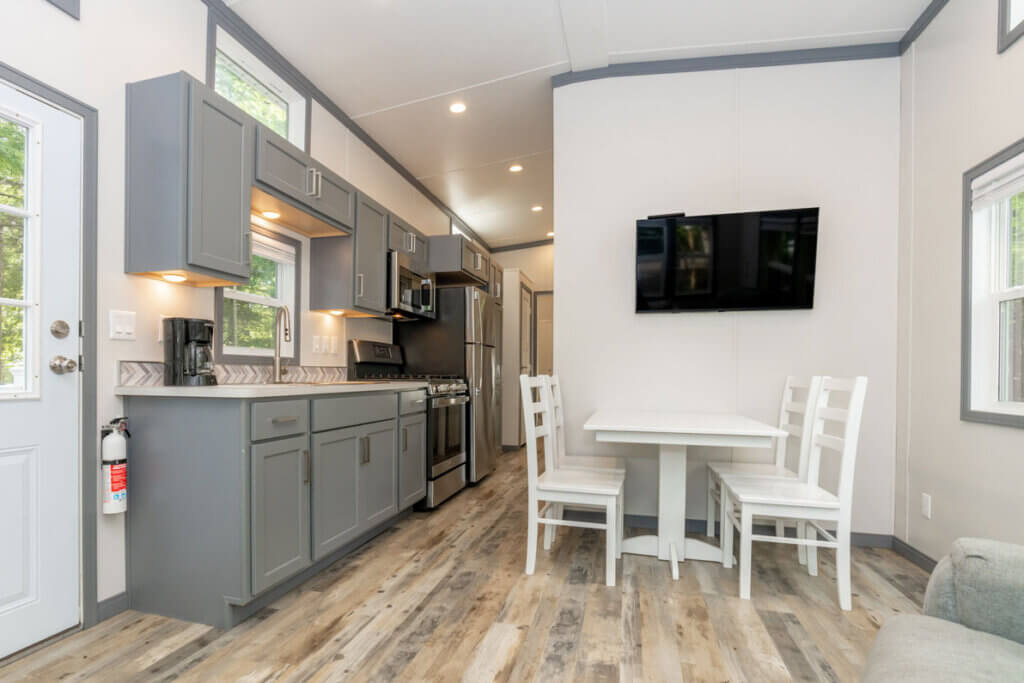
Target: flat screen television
(759, 260)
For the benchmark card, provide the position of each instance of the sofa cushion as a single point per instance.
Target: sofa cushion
(988, 578)
(919, 648)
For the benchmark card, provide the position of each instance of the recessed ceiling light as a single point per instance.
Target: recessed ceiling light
(457, 107)
(537, 208)
(515, 168)
(551, 234)
(175, 278)
(272, 215)
(337, 313)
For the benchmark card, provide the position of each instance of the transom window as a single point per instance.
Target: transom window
(248, 312)
(258, 90)
(18, 225)
(996, 294)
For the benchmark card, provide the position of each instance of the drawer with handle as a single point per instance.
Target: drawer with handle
(274, 419)
(410, 402)
(345, 411)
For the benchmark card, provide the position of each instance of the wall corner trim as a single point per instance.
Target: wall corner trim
(918, 27)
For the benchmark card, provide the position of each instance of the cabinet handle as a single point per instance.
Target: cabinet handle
(308, 465)
(247, 246)
(319, 184)
(364, 445)
(284, 420)
(359, 282)
(405, 439)
(310, 182)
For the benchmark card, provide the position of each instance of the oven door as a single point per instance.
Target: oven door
(409, 293)
(446, 434)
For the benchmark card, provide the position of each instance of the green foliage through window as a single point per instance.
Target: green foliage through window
(248, 325)
(12, 164)
(250, 94)
(1015, 252)
(13, 138)
(262, 278)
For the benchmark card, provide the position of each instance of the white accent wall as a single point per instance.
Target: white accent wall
(120, 41)
(770, 138)
(961, 103)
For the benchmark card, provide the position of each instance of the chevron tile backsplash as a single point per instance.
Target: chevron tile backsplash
(133, 373)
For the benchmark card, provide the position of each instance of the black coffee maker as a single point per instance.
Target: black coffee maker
(188, 352)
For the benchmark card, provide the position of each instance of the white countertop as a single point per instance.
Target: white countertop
(679, 423)
(268, 390)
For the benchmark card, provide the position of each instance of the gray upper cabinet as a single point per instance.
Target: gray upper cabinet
(378, 471)
(412, 459)
(297, 177)
(189, 168)
(404, 238)
(335, 495)
(494, 289)
(370, 262)
(457, 261)
(280, 476)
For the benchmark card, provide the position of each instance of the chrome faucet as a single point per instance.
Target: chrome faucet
(282, 315)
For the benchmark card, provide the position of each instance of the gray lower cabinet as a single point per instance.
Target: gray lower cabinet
(189, 167)
(412, 460)
(371, 249)
(280, 476)
(378, 470)
(335, 489)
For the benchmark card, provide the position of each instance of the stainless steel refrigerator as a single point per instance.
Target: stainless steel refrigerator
(463, 340)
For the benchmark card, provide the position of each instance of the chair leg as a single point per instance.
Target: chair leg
(801, 550)
(746, 546)
(780, 528)
(554, 512)
(812, 550)
(531, 538)
(843, 568)
(726, 530)
(710, 530)
(611, 534)
(621, 527)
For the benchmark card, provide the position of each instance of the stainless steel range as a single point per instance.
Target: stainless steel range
(447, 410)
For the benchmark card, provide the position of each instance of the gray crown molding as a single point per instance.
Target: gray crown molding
(1007, 36)
(723, 62)
(89, 424)
(523, 245)
(70, 7)
(967, 414)
(918, 27)
(230, 21)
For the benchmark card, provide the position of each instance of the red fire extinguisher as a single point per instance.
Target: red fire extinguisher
(114, 466)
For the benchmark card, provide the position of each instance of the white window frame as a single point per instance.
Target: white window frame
(269, 79)
(1011, 23)
(988, 189)
(287, 277)
(32, 211)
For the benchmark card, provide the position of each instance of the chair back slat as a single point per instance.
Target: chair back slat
(536, 429)
(558, 417)
(792, 408)
(847, 421)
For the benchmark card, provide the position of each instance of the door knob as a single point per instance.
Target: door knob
(61, 365)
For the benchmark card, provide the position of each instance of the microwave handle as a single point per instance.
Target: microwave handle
(429, 282)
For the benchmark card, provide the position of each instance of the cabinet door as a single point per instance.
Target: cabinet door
(280, 510)
(420, 253)
(398, 238)
(220, 178)
(378, 474)
(335, 198)
(412, 460)
(284, 167)
(335, 493)
(371, 255)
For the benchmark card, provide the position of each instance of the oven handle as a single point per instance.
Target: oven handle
(448, 402)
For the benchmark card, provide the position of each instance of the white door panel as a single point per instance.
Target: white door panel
(40, 233)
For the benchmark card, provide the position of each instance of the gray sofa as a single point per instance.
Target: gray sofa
(973, 623)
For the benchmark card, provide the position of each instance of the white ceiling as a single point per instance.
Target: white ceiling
(396, 65)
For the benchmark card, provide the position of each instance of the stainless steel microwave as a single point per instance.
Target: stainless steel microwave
(410, 293)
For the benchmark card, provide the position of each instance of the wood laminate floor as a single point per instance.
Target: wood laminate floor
(442, 597)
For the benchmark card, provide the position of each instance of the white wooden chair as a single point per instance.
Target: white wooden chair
(790, 409)
(564, 487)
(563, 460)
(793, 499)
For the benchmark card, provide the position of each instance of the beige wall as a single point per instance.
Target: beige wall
(807, 135)
(537, 263)
(120, 41)
(961, 103)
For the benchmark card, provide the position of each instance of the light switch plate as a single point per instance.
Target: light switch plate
(122, 325)
(926, 506)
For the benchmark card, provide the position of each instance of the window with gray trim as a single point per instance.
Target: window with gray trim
(246, 314)
(1011, 22)
(993, 290)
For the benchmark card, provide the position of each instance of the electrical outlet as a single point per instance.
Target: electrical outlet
(926, 506)
(122, 325)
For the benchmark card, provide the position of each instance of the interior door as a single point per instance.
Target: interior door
(525, 346)
(40, 216)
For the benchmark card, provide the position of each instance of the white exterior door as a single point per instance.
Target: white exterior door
(40, 233)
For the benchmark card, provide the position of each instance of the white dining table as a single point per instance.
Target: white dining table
(673, 432)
